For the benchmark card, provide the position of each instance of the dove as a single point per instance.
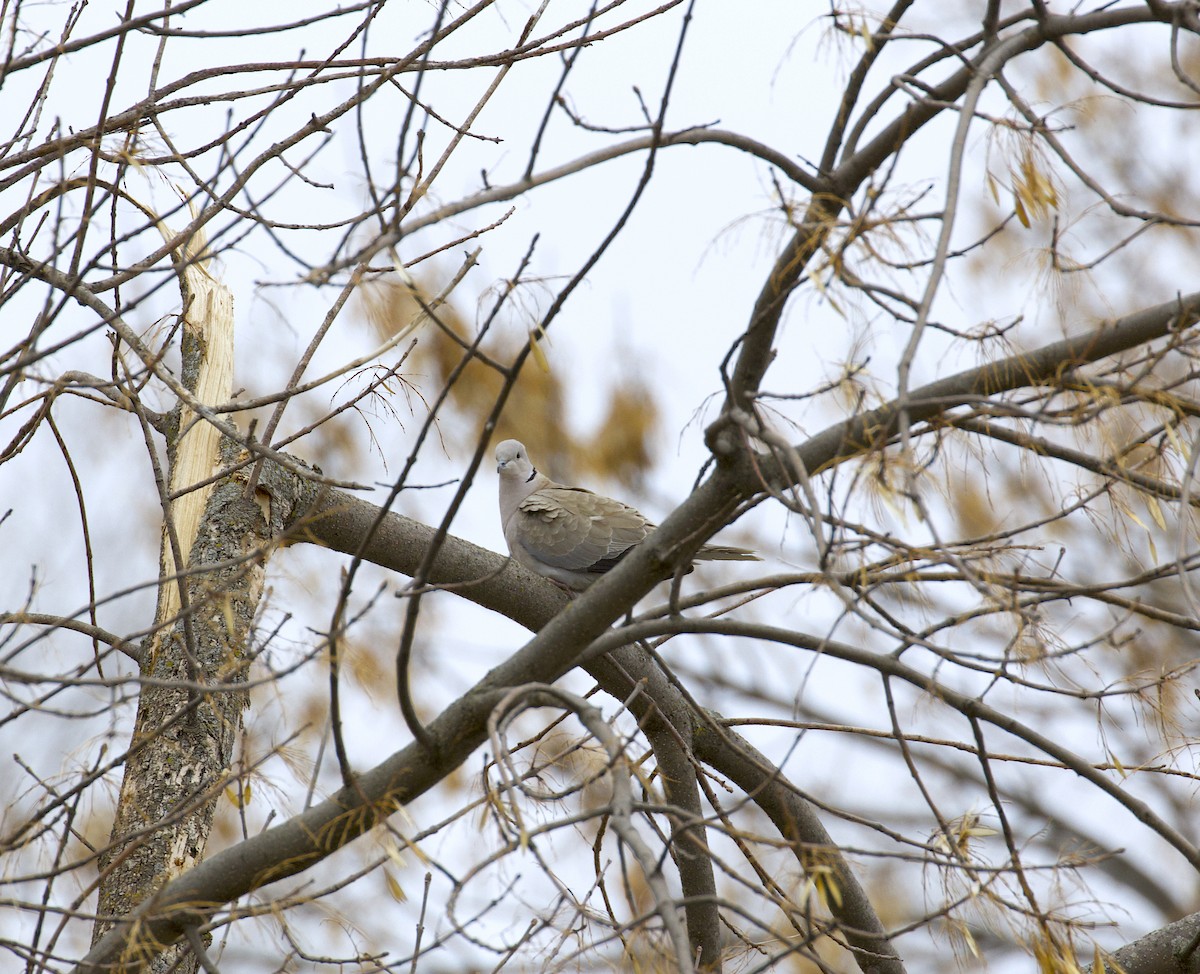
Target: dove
(570, 535)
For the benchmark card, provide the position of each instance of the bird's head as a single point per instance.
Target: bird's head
(512, 462)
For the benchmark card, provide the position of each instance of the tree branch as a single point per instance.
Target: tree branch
(1050, 364)
(1168, 950)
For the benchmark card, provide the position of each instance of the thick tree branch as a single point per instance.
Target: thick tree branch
(667, 721)
(1049, 365)
(1169, 950)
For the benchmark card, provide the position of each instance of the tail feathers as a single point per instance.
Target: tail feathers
(717, 552)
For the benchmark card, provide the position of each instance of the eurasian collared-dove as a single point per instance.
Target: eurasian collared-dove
(568, 534)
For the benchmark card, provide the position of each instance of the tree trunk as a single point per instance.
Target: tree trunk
(190, 709)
